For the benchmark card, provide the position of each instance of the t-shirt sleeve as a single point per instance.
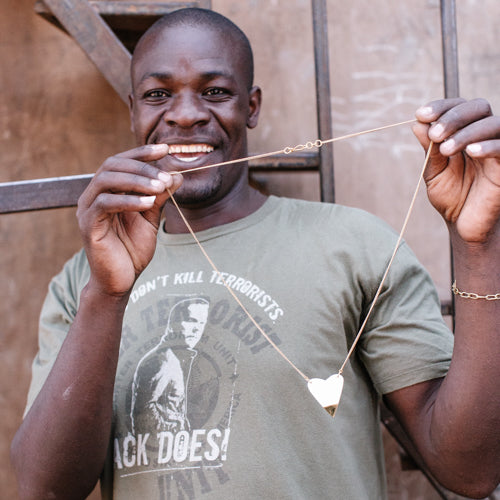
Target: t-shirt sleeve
(57, 315)
(407, 340)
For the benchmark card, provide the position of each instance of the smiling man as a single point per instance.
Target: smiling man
(200, 103)
(306, 272)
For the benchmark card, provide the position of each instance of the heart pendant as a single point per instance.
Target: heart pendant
(327, 392)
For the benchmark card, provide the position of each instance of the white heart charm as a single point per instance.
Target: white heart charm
(327, 392)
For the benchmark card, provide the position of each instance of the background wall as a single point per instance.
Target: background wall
(58, 116)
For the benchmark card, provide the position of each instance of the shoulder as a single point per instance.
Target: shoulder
(310, 208)
(67, 285)
(332, 217)
(75, 270)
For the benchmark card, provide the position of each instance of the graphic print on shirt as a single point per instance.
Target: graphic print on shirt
(159, 390)
(176, 389)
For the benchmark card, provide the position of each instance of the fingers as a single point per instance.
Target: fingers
(484, 149)
(147, 152)
(456, 124)
(109, 203)
(485, 129)
(158, 201)
(128, 181)
(437, 162)
(433, 110)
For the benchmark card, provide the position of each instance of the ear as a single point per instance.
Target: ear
(254, 103)
(131, 112)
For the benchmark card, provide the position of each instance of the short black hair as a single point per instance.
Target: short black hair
(208, 19)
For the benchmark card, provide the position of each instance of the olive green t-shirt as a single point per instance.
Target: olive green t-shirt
(205, 408)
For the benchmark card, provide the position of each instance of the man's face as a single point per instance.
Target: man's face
(193, 324)
(191, 92)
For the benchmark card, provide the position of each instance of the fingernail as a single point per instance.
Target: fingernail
(164, 177)
(425, 110)
(147, 200)
(474, 148)
(448, 146)
(437, 130)
(158, 147)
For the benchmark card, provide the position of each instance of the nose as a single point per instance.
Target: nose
(186, 110)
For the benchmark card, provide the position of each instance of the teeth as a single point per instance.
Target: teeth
(189, 148)
(188, 160)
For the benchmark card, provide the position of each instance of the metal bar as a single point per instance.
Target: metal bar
(119, 8)
(451, 83)
(40, 194)
(57, 192)
(324, 113)
(296, 162)
(97, 39)
(446, 308)
(450, 48)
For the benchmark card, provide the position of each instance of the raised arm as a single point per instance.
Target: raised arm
(60, 448)
(456, 422)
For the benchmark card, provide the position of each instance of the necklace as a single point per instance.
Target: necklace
(327, 392)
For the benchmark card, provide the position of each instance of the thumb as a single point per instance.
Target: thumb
(421, 131)
(154, 213)
(170, 188)
(437, 162)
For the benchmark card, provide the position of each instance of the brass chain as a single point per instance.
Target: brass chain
(472, 295)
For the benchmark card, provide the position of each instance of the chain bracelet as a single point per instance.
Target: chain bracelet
(472, 295)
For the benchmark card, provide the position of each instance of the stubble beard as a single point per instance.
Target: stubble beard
(196, 191)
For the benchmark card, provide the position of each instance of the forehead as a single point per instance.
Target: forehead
(178, 49)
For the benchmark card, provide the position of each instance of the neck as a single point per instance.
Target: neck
(234, 206)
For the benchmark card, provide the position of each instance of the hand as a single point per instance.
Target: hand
(119, 215)
(463, 175)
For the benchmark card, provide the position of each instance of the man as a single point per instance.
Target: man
(265, 436)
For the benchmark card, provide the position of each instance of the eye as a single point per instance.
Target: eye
(156, 94)
(217, 93)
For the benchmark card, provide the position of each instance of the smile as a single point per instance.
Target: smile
(188, 152)
(189, 148)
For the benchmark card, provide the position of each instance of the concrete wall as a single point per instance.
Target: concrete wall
(59, 117)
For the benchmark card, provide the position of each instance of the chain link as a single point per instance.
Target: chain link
(472, 295)
(300, 147)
